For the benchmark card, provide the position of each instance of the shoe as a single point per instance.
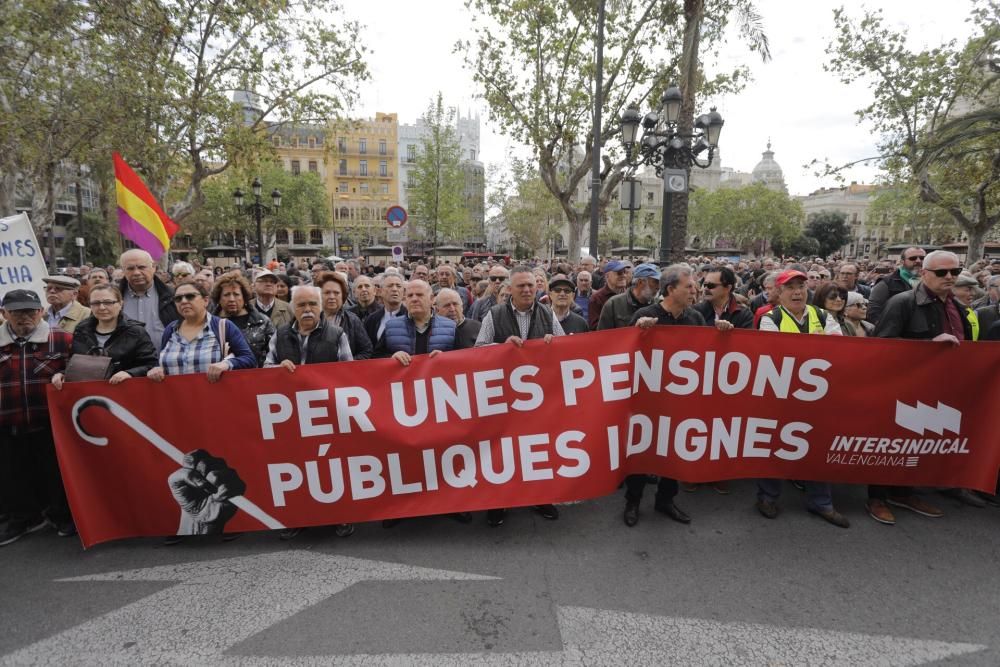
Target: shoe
(918, 505)
(689, 487)
(767, 509)
(965, 497)
(289, 533)
(495, 517)
(461, 517)
(65, 529)
(391, 523)
(171, 540)
(631, 514)
(547, 511)
(879, 511)
(343, 529)
(832, 516)
(674, 512)
(15, 530)
(722, 488)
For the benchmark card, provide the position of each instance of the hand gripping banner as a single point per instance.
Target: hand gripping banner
(503, 427)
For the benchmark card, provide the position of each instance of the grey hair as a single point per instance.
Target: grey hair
(672, 275)
(520, 269)
(449, 292)
(771, 277)
(940, 254)
(301, 289)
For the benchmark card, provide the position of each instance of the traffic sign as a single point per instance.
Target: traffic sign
(397, 253)
(396, 216)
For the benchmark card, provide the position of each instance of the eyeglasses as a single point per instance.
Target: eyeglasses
(187, 296)
(561, 290)
(915, 258)
(708, 285)
(181, 274)
(498, 279)
(103, 304)
(941, 273)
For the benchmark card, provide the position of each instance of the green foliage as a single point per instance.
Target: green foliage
(746, 217)
(830, 230)
(936, 112)
(437, 199)
(525, 210)
(901, 207)
(534, 63)
(304, 204)
(101, 237)
(802, 245)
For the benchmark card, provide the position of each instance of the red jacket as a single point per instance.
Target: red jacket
(25, 370)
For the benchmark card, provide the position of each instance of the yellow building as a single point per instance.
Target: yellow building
(356, 161)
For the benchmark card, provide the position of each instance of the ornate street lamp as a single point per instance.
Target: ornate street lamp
(669, 151)
(257, 210)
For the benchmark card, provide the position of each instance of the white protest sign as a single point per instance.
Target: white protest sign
(22, 265)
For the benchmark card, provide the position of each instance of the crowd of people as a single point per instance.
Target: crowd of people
(144, 321)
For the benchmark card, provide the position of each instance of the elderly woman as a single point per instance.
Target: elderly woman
(334, 288)
(232, 294)
(855, 312)
(200, 342)
(108, 333)
(832, 298)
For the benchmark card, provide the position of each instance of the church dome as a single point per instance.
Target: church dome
(768, 171)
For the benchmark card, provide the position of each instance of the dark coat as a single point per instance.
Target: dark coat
(884, 290)
(322, 347)
(914, 314)
(374, 319)
(357, 337)
(165, 300)
(466, 333)
(258, 333)
(573, 324)
(129, 346)
(735, 314)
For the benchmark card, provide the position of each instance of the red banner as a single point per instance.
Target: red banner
(505, 427)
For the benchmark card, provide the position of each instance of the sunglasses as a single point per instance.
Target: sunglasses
(562, 290)
(941, 273)
(708, 285)
(837, 296)
(187, 296)
(104, 304)
(914, 258)
(497, 279)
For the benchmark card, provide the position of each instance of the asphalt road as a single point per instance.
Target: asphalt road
(731, 588)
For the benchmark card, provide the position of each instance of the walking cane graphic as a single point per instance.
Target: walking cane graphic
(174, 454)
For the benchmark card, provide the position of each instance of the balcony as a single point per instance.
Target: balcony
(353, 150)
(356, 173)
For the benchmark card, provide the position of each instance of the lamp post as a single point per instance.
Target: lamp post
(257, 210)
(630, 196)
(670, 151)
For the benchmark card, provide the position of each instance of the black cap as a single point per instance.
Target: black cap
(21, 299)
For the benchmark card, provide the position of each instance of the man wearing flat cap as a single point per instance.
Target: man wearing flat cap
(64, 311)
(561, 292)
(30, 354)
(619, 309)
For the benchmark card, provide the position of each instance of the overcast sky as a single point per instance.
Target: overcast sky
(806, 112)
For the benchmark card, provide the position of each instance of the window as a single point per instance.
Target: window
(319, 141)
(313, 167)
(472, 154)
(364, 188)
(649, 197)
(384, 188)
(411, 153)
(342, 144)
(342, 186)
(296, 167)
(343, 168)
(365, 214)
(362, 145)
(295, 142)
(383, 168)
(363, 168)
(411, 180)
(277, 140)
(316, 236)
(345, 213)
(281, 237)
(381, 147)
(312, 142)
(299, 237)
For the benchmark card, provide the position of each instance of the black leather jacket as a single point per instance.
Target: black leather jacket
(258, 333)
(129, 346)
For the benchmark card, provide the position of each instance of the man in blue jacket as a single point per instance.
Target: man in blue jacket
(420, 331)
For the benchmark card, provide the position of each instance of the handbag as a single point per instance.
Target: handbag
(84, 367)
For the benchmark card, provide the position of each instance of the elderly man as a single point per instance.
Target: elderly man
(583, 292)
(847, 277)
(421, 272)
(988, 312)
(521, 319)
(144, 297)
(794, 315)
(30, 483)
(448, 304)
(615, 277)
(364, 297)
(309, 339)
(927, 312)
(419, 331)
(497, 276)
(392, 306)
(620, 308)
(903, 279)
(64, 311)
(265, 287)
(446, 277)
(561, 290)
(181, 271)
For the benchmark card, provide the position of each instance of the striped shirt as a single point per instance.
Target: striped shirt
(181, 356)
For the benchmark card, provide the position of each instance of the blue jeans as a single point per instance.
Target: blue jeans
(819, 495)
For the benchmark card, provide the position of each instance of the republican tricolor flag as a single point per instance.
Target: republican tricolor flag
(140, 218)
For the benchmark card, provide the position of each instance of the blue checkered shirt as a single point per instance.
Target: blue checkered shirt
(181, 356)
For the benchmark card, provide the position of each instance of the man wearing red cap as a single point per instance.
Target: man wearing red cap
(793, 314)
